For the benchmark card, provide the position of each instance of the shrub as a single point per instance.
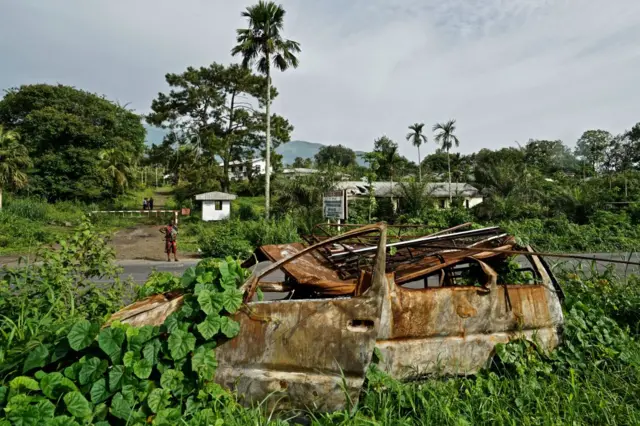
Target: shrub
(246, 212)
(223, 239)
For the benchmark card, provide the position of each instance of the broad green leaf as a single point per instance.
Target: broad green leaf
(62, 421)
(72, 371)
(172, 380)
(210, 302)
(188, 277)
(204, 363)
(4, 391)
(229, 327)
(77, 405)
(204, 286)
(210, 326)
(129, 394)
(158, 399)
(46, 410)
(55, 384)
(100, 412)
(172, 323)
(142, 368)
(21, 383)
(82, 334)
(232, 300)
(99, 391)
(151, 351)
(120, 408)
(110, 341)
(168, 417)
(181, 343)
(116, 375)
(91, 370)
(37, 358)
(130, 358)
(26, 415)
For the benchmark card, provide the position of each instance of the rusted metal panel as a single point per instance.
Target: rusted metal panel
(454, 330)
(310, 270)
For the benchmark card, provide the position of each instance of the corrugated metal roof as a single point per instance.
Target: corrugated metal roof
(215, 196)
(384, 189)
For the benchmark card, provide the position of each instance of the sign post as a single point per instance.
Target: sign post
(334, 206)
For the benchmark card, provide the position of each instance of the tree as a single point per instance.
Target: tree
(116, 165)
(335, 155)
(301, 163)
(64, 130)
(446, 138)
(550, 157)
(592, 147)
(213, 108)
(416, 138)
(262, 44)
(14, 160)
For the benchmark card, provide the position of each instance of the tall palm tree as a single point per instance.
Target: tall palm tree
(262, 45)
(117, 166)
(444, 135)
(14, 159)
(416, 137)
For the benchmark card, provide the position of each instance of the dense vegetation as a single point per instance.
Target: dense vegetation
(76, 373)
(83, 147)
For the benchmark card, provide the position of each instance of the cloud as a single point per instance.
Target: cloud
(507, 70)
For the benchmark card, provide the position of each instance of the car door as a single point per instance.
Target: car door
(305, 353)
(454, 330)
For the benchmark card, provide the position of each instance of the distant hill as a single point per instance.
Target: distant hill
(289, 151)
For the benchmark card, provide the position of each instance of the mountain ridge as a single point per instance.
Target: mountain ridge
(289, 150)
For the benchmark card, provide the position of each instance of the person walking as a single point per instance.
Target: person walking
(170, 241)
(145, 204)
(150, 204)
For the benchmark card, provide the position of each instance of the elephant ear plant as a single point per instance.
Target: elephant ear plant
(126, 375)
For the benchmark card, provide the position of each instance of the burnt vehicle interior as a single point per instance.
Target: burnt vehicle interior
(447, 258)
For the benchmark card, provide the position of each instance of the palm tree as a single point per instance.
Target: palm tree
(262, 44)
(446, 138)
(117, 166)
(416, 137)
(14, 159)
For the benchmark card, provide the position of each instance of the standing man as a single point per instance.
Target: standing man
(144, 204)
(170, 241)
(150, 203)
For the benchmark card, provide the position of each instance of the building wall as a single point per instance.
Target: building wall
(469, 202)
(210, 213)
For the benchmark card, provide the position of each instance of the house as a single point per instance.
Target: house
(215, 205)
(239, 170)
(438, 191)
(297, 172)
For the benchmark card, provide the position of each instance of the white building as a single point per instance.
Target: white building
(239, 170)
(438, 191)
(215, 205)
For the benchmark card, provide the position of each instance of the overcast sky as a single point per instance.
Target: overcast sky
(507, 70)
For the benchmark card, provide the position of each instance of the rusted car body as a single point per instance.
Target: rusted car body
(431, 305)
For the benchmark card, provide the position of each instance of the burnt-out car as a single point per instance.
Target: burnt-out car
(433, 304)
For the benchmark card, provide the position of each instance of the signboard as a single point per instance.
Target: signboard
(334, 205)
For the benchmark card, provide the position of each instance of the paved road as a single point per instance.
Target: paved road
(140, 269)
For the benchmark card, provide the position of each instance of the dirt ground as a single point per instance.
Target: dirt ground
(143, 242)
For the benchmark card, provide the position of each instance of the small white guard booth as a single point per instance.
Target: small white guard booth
(215, 205)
